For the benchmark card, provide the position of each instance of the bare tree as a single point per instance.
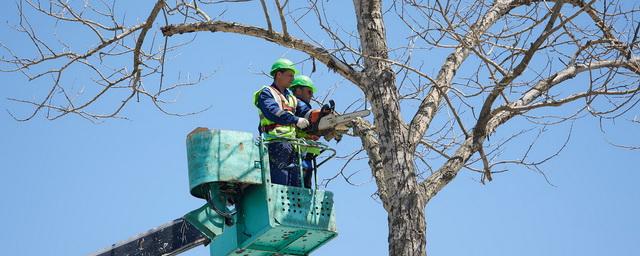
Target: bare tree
(505, 60)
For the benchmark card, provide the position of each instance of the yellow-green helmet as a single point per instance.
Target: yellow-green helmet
(302, 80)
(283, 64)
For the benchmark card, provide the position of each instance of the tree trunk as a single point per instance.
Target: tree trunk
(407, 227)
(404, 205)
(405, 208)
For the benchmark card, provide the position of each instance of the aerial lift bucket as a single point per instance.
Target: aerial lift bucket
(245, 213)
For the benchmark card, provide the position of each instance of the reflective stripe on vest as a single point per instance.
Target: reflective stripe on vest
(286, 104)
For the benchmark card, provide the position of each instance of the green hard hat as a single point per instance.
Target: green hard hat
(283, 64)
(302, 80)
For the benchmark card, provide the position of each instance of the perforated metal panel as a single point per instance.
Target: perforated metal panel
(302, 207)
(291, 241)
(285, 220)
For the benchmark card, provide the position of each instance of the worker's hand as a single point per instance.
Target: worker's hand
(326, 109)
(302, 123)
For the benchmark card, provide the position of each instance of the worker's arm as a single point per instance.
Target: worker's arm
(270, 109)
(303, 109)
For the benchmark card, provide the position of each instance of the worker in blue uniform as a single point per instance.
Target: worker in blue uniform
(280, 117)
(303, 89)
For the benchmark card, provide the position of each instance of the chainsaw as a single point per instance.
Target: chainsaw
(327, 123)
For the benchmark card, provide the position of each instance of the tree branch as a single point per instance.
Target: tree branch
(368, 137)
(283, 21)
(429, 105)
(266, 16)
(431, 186)
(318, 53)
(143, 33)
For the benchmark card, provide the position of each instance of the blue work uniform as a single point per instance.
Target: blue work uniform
(307, 165)
(279, 113)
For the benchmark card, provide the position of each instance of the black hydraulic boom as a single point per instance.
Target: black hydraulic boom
(169, 239)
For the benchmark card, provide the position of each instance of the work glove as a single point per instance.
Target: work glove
(302, 123)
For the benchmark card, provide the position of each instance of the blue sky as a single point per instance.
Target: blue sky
(71, 187)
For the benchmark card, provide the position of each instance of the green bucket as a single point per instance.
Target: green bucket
(221, 156)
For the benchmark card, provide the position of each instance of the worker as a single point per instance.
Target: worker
(280, 116)
(303, 89)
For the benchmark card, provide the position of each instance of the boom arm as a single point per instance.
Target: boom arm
(169, 239)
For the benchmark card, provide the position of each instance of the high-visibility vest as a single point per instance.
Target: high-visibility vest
(309, 149)
(287, 104)
(302, 134)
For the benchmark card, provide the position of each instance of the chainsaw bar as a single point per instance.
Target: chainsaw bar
(332, 120)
